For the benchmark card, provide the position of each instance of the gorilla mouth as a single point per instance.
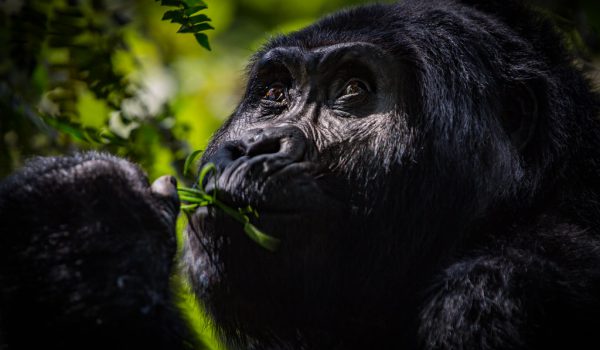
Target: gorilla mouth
(283, 191)
(272, 170)
(280, 194)
(266, 205)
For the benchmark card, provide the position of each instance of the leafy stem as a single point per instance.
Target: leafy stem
(186, 15)
(193, 198)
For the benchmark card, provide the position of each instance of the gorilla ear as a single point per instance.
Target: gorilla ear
(520, 113)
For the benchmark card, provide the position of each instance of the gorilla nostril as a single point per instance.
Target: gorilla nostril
(264, 146)
(288, 142)
(236, 152)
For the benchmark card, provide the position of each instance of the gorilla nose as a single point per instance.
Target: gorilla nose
(259, 153)
(281, 141)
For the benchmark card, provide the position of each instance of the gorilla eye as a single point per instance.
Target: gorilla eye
(354, 87)
(275, 93)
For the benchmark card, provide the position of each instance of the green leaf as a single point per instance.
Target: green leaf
(190, 160)
(85, 134)
(174, 16)
(202, 39)
(194, 198)
(171, 3)
(92, 135)
(198, 19)
(188, 206)
(194, 28)
(110, 138)
(206, 169)
(193, 3)
(194, 201)
(193, 10)
(268, 242)
(192, 192)
(66, 127)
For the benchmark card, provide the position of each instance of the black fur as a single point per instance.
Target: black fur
(86, 251)
(451, 203)
(457, 211)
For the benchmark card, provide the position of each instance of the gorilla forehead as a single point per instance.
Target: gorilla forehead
(319, 58)
(346, 26)
(445, 32)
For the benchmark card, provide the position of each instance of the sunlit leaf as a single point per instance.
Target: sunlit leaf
(190, 21)
(174, 16)
(198, 19)
(206, 169)
(193, 10)
(193, 3)
(195, 28)
(170, 2)
(193, 198)
(190, 160)
(265, 241)
(66, 127)
(202, 39)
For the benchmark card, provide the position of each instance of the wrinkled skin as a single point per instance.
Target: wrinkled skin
(432, 170)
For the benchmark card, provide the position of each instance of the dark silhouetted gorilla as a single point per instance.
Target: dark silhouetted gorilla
(432, 169)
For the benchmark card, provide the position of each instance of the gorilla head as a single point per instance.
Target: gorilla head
(381, 145)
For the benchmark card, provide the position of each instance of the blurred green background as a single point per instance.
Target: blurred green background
(111, 75)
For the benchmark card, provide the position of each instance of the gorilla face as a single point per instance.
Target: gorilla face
(310, 148)
(371, 143)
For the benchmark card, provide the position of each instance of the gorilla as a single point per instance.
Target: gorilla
(431, 168)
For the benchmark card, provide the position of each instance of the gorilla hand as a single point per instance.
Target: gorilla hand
(86, 250)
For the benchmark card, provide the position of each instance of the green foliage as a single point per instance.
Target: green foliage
(64, 56)
(190, 160)
(191, 22)
(198, 197)
(85, 134)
